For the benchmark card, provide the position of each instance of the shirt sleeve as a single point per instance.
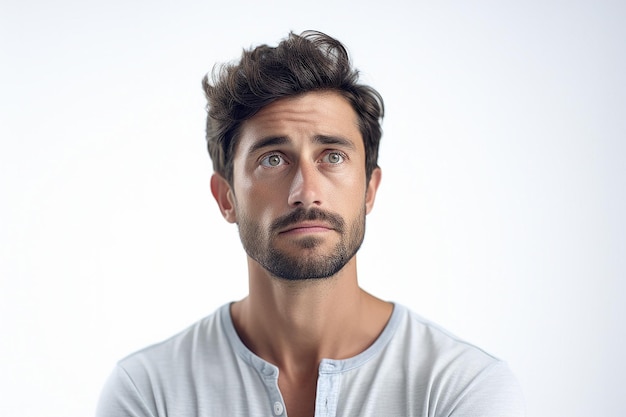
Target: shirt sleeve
(121, 398)
(495, 392)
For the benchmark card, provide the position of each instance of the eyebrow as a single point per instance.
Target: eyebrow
(282, 140)
(267, 142)
(334, 140)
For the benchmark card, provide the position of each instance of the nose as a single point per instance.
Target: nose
(305, 186)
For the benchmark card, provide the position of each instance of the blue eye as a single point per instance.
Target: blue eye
(333, 158)
(272, 160)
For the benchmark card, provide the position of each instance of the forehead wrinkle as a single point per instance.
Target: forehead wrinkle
(297, 115)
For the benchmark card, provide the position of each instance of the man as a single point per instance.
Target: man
(294, 141)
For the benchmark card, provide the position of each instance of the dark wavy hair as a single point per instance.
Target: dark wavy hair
(311, 61)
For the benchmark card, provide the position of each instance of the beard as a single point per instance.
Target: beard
(305, 263)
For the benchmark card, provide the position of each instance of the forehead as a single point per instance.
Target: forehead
(320, 113)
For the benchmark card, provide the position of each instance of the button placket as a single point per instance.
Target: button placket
(270, 377)
(327, 389)
(278, 408)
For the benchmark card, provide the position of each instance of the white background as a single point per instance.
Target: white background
(500, 215)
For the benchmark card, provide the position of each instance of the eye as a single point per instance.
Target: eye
(272, 160)
(333, 158)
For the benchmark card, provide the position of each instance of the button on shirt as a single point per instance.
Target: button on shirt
(414, 368)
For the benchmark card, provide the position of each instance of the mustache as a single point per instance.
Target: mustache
(301, 214)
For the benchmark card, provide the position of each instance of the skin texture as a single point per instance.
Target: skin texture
(300, 197)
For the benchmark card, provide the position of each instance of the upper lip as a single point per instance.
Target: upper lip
(306, 224)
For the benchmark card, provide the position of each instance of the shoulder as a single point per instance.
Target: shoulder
(208, 332)
(464, 379)
(436, 344)
(145, 380)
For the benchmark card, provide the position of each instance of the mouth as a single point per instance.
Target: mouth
(313, 221)
(307, 227)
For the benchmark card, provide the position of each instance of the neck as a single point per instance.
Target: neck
(296, 324)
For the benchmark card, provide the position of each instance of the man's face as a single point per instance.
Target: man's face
(299, 188)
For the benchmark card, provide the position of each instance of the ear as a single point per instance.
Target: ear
(372, 187)
(224, 197)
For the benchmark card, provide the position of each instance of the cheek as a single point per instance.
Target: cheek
(257, 202)
(354, 187)
(348, 201)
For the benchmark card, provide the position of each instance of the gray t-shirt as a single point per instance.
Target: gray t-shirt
(414, 368)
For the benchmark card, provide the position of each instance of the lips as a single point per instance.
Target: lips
(305, 227)
(308, 220)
